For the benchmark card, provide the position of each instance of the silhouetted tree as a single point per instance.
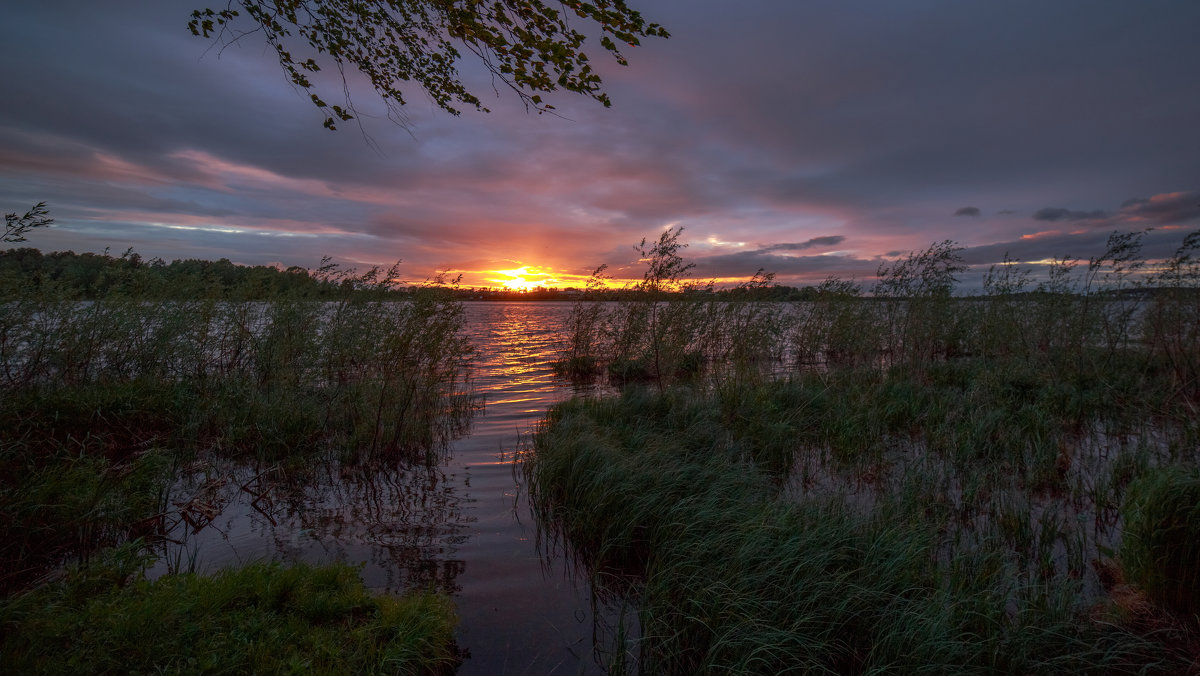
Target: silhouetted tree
(16, 226)
(529, 45)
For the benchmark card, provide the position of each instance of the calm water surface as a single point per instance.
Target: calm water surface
(463, 525)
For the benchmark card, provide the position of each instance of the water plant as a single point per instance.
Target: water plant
(918, 322)
(890, 555)
(107, 400)
(669, 327)
(1161, 549)
(366, 373)
(1171, 325)
(943, 482)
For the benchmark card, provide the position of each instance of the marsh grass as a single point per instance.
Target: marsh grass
(68, 503)
(940, 544)
(261, 618)
(107, 400)
(1161, 549)
(941, 484)
(669, 328)
(1117, 313)
(266, 379)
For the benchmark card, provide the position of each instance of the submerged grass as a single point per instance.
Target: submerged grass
(108, 402)
(667, 328)
(1116, 314)
(740, 564)
(68, 504)
(1161, 550)
(375, 378)
(941, 484)
(260, 618)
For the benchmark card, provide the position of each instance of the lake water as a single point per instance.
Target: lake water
(463, 525)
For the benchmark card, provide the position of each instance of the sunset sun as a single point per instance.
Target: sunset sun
(524, 278)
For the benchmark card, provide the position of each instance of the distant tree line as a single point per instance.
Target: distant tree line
(89, 276)
(772, 292)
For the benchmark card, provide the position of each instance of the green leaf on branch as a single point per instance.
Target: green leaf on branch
(526, 44)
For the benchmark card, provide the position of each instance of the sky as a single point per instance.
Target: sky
(809, 138)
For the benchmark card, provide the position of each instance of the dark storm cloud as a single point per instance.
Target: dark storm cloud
(829, 240)
(1032, 252)
(872, 124)
(1155, 244)
(788, 269)
(967, 211)
(1175, 208)
(1051, 245)
(874, 109)
(1052, 214)
(1165, 209)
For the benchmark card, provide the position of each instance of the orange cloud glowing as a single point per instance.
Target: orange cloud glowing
(1044, 233)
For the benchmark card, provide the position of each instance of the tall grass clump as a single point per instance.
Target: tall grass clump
(669, 327)
(916, 292)
(1161, 549)
(946, 482)
(372, 373)
(1172, 322)
(580, 355)
(261, 618)
(645, 337)
(664, 500)
(106, 399)
(65, 503)
(835, 327)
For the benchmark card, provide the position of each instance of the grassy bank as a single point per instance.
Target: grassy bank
(254, 619)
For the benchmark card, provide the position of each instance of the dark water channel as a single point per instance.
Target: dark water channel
(463, 525)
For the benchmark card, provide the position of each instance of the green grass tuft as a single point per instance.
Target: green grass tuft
(1161, 549)
(262, 618)
(846, 523)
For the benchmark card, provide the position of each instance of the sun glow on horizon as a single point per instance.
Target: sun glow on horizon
(524, 278)
(534, 277)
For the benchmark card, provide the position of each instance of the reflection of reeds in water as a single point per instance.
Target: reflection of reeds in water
(939, 485)
(407, 515)
(103, 397)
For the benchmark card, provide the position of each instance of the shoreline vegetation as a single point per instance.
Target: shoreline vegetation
(870, 479)
(111, 398)
(911, 481)
(89, 276)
